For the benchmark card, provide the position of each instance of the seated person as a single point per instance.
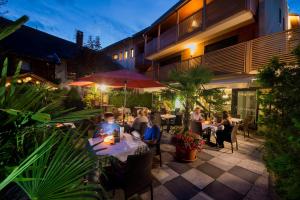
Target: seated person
(152, 132)
(141, 118)
(196, 121)
(225, 133)
(108, 126)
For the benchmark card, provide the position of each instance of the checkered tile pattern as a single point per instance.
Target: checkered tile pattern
(216, 174)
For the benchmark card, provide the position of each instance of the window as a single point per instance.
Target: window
(280, 15)
(120, 55)
(115, 57)
(132, 53)
(126, 54)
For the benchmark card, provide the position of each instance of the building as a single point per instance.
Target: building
(129, 53)
(49, 57)
(233, 38)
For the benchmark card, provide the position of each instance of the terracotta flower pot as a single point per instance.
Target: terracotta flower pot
(186, 155)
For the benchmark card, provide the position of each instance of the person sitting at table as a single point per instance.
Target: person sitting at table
(196, 121)
(152, 132)
(141, 118)
(224, 133)
(108, 126)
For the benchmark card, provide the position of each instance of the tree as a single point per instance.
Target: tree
(97, 43)
(94, 43)
(280, 122)
(187, 86)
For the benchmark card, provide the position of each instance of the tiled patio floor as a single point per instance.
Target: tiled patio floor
(217, 174)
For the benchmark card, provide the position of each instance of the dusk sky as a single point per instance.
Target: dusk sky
(112, 20)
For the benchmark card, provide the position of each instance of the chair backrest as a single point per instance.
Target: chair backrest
(138, 173)
(143, 127)
(234, 133)
(178, 120)
(196, 127)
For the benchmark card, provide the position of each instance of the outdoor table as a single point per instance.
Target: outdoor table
(127, 146)
(236, 120)
(212, 127)
(167, 117)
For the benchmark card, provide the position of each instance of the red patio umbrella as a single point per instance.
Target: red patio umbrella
(119, 78)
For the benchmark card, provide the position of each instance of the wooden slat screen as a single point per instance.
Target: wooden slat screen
(229, 60)
(280, 45)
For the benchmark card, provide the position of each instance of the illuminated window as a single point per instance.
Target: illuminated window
(115, 57)
(126, 54)
(120, 55)
(132, 53)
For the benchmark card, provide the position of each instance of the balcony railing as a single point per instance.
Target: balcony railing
(244, 57)
(168, 37)
(190, 24)
(216, 11)
(151, 47)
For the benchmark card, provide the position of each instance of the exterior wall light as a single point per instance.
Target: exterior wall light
(192, 48)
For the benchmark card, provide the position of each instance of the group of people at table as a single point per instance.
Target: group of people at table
(222, 126)
(149, 136)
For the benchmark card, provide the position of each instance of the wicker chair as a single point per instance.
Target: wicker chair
(233, 138)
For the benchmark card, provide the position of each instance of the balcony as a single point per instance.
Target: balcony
(206, 23)
(243, 58)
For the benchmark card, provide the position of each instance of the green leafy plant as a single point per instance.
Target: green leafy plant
(31, 146)
(187, 86)
(116, 98)
(280, 103)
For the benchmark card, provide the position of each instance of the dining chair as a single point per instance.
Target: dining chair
(137, 175)
(196, 127)
(245, 126)
(143, 127)
(157, 147)
(233, 138)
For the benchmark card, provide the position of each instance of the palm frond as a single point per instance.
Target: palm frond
(58, 173)
(13, 27)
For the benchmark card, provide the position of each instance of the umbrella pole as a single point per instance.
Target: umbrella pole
(125, 91)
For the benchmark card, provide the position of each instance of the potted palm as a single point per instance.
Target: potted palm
(187, 146)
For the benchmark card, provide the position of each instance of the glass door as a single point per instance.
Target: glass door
(247, 104)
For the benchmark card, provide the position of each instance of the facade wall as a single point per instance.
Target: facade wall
(273, 16)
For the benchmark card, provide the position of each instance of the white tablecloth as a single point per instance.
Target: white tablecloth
(212, 127)
(168, 116)
(121, 150)
(236, 120)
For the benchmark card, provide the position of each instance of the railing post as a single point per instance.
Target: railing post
(248, 57)
(204, 15)
(158, 38)
(177, 25)
(145, 45)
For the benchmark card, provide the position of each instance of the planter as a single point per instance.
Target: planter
(186, 155)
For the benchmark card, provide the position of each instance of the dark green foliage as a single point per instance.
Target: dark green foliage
(74, 100)
(32, 149)
(188, 85)
(281, 116)
(116, 98)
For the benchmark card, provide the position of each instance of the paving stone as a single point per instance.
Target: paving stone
(166, 157)
(179, 167)
(181, 188)
(163, 174)
(211, 170)
(198, 178)
(219, 191)
(244, 174)
(213, 151)
(253, 166)
(230, 158)
(159, 193)
(220, 163)
(204, 156)
(196, 163)
(168, 148)
(235, 183)
(201, 196)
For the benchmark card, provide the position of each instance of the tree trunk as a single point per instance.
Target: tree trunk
(186, 119)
